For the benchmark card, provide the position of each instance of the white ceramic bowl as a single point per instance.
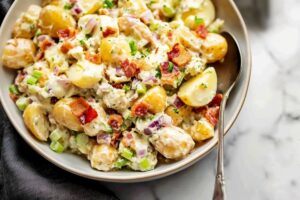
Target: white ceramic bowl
(226, 10)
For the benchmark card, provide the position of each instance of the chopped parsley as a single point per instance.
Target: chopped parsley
(133, 47)
(126, 88)
(82, 42)
(68, 6)
(170, 67)
(38, 33)
(108, 3)
(198, 21)
(158, 73)
(176, 110)
(87, 36)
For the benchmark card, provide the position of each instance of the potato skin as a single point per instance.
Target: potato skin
(53, 19)
(18, 53)
(26, 25)
(214, 47)
(63, 115)
(36, 121)
(172, 142)
(103, 157)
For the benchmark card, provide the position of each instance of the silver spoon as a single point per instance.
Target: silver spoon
(228, 73)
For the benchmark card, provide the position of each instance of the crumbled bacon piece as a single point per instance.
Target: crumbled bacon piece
(45, 44)
(210, 113)
(116, 139)
(140, 109)
(201, 31)
(66, 33)
(79, 106)
(115, 121)
(109, 31)
(169, 73)
(179, 55)
(13, 97)
(130, 69)
(94, 58)
(65, 47)
(216, 100)
(89, 115)
(117, 85)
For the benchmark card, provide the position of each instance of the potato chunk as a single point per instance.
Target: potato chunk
(172, 142)
(199, 90)
(26, 25)
(156, 98)
(63, 115)
(18, 53)
(114, 50)
(202, 130)
(214, 47)
(36, 121)
(85, 74)
(103, 157)
(53, 19)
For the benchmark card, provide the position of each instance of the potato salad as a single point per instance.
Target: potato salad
(124, 83)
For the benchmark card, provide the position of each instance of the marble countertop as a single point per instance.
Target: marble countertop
(262, 159)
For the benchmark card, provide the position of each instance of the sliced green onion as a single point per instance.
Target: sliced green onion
(154, 26)
(13, 89)
(37, 74)
(127, 153)
(198, 21)
(108, 4)
(126, 88)
(120, 163)
(22, 103)
(57, 147)
(168, 11)
(133, 47)
(141, 88)
(158, 73)
(145, 164)
(170, 67)
(68, 6)
(32, 80)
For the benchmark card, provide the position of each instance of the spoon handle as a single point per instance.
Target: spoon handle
(219, 192)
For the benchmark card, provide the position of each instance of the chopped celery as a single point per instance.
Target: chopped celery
(32, 80)
(56, 135)
(13, 89)
(22, 103)
(145, 164)
(141, 88)
(168, 11)
(127, 153)
(120, 163)
(82, 139)
(37, 74)
(57, 147)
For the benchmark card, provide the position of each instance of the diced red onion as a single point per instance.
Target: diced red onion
(178, 103)
(147, 17)
(165, 120)
(76, 10)
(119, 71)
(103, 138)
(90, 26)
(41, 38)
(141, 153)
(147, 131)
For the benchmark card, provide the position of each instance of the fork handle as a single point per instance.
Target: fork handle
(219, 191)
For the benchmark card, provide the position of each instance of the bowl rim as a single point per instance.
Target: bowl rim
(142, 176)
